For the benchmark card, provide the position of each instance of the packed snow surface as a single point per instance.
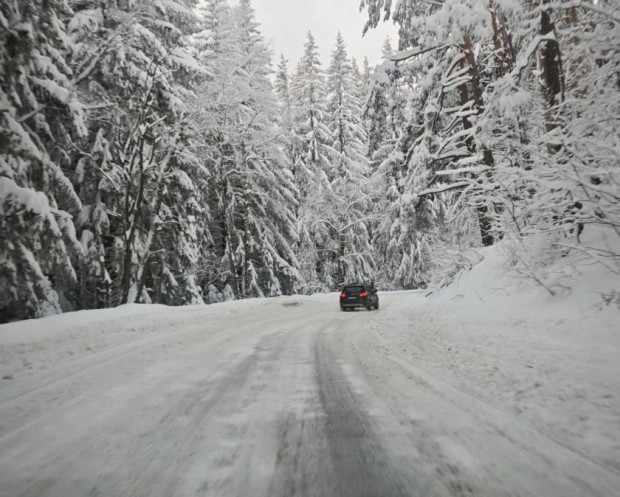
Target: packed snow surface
(487, 388)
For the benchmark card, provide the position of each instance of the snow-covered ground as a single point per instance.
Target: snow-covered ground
(489, 387)
(552, 363)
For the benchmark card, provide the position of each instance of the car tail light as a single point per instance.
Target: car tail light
(343, 295)
(363, 294)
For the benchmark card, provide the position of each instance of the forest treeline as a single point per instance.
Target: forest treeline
(151, 152)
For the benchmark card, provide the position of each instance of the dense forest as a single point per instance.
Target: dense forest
(152, 151)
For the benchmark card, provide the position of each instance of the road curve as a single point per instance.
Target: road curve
(297, 400)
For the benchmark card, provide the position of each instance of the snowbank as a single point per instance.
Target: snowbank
(552, 361)
(139, 315)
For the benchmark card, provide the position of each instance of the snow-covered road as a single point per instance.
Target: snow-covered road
(280, 397)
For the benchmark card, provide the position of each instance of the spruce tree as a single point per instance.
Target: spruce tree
(38, 203)
(137, 75)
(349, 209)
(312, 168)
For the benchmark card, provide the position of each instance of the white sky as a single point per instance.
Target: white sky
(285, 23)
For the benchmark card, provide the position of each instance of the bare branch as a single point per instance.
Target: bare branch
(414, 52)
(446, 188)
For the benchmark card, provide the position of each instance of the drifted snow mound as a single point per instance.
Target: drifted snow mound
(550, 359)
(508, 280)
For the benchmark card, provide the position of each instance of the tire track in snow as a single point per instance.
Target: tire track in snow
(126, 458)
(358, 457)
(518, 448)
(26, 404)
(302, 466)
(240, 429)
(147, 474)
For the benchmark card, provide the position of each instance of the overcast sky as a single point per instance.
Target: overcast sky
(285, 23)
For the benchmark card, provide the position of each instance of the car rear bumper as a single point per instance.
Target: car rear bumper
(353, 305)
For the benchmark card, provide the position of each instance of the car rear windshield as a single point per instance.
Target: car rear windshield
(354, 289)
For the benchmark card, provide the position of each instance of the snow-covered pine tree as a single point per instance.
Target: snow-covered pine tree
(268, 192)
(133, 72)
(344, 110)
(346, 210)
(360, 81)
(282, 87)
(409, 224)
(377, 106)
(312, 167)
(405, 160)
(251, 191)
(453, 35)
(283, 94)
(216, 49)
(39, 110)
(214, 34)
(310, 117)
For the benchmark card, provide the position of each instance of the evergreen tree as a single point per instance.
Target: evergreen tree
(270, 266)
(252, 194)
(344, 110)
(283, 94)
(310, 117)
(137, 76)
(348, 213)
(312, 167)
(38, 203)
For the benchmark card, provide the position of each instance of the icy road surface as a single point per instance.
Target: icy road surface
(284, 397)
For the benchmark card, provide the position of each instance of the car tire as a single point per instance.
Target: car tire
(377, 305)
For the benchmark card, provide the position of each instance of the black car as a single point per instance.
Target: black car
(359, 295)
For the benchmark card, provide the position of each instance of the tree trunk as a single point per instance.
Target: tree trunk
(500, 52)
(155, 209)
(244, 211)
(482, 211)
(552, 73)
(341, 247)
(510, 58)
(133, 216)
